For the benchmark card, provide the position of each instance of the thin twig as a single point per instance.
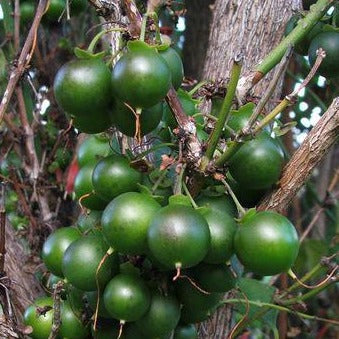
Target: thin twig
(56, 309)
(24, 58)
(279, 71)
(2, 230)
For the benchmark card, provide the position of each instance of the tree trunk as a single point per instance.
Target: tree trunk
(251, 28)
(197, 20)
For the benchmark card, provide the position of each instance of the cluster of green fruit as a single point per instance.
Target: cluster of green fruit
(97, 98)
(54, 12)
(325, 35)
(156, 268)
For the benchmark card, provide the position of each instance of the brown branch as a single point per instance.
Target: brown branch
(29, 137)
(2, 231)
(317, 143)
(56, 310)
(134, 17)
(24, 58)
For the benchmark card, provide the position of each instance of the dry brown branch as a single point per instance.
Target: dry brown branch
(317, 143)
(24, 58)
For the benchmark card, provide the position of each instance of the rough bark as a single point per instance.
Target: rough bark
(197, 20)
(251, 28)
(311, 152)
(21, 285)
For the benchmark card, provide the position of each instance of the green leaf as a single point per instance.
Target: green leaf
(245, 109)
(257, 291)
(310, 253)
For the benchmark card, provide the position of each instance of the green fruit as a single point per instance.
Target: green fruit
(328, 41)
(141, 77)
(93, 149)
(106, 329)
(92, 299)
(178, 236)
(83, 185)
(125, 222)
(257, 164)
(303, 45)
(175, 65)
(127, 297)
(71, 327)
(113, 175)
(51, 281)
(193, 315)
(89, 221)
(219, 203)
(192, 298)
(27, 10)
(39, 315)
(266, 243)
(55, 9)
(55, 246)
(83, 87)
(77, 6)
(213, 278)
(222, 229)
(92, 123)
(162, 316)
(125, 121)
(75, 299)
(81, 261)
(185, 332)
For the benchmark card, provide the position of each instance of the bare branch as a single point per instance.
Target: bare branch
(24, 58)
(317, 143)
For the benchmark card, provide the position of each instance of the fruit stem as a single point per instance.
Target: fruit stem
(178, 268)
(232, 148)
(304, 25)
(224, 112)
(122, 323)
(179, 180)
(323, 282)
(241, 210)
(102, 261)
(155, 148)
(159, 180)
(155, 18)
(95, 40)
(197, 87)
(289, 99)
(280, 308)
(143, 27)
(187, 192)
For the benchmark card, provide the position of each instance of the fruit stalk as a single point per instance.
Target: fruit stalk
(289, 99)
(303, 27)
(223, 114)
(273, 58)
